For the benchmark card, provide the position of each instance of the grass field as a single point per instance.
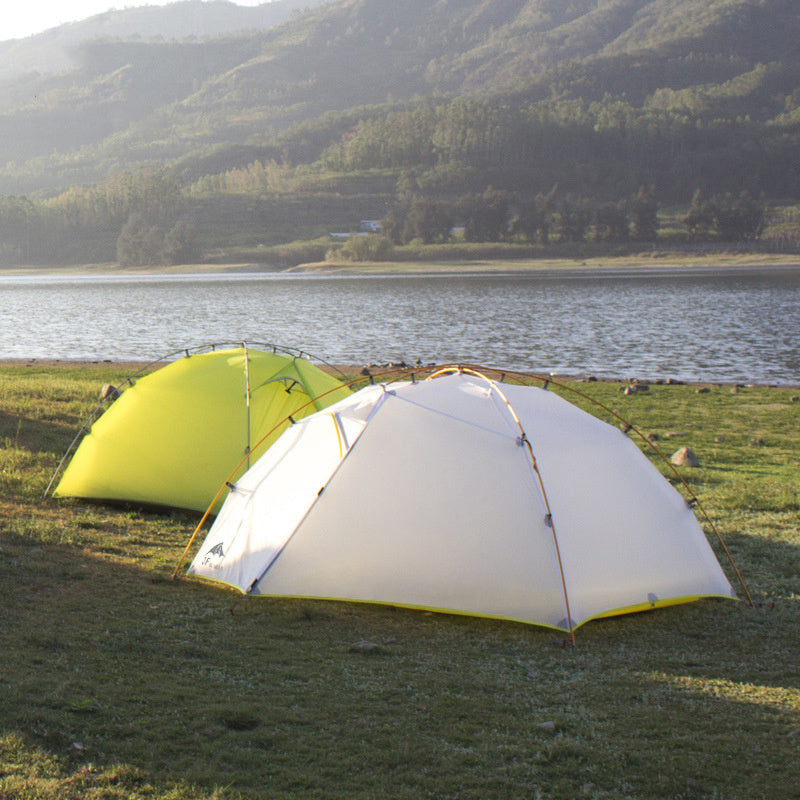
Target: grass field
(116, 682)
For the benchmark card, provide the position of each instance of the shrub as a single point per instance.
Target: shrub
(372, 247)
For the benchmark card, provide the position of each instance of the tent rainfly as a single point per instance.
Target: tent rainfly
(464, 495)
(177, 434)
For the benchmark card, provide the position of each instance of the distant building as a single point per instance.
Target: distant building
(365, 226)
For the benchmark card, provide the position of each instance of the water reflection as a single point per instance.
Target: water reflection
(716, 326)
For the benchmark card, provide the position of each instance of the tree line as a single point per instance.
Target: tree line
(496, 215)
(142, 218)
(133, 217)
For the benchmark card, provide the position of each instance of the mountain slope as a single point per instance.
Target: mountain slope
(132, 102)
(52, 51)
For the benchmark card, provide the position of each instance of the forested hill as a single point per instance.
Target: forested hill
(621, 65)
(365, 99)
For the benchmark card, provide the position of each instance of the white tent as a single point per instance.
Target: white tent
(463, 495)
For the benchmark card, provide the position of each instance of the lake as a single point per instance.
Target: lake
(726, 325)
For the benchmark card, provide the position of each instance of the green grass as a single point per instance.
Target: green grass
(117, 683)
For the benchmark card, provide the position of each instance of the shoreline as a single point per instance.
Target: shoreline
(133, 367)
(667, 262)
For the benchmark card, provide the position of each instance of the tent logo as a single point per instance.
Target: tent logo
(213, 558)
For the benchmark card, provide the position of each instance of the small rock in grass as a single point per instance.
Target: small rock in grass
(363, 647)
(109, 392)
(548, 727)
(684, 458)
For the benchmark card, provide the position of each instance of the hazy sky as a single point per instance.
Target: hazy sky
(22, 18)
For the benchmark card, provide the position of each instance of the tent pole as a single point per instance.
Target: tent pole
(525, 441)
(522, 376)
(549, 518)
(247, 402)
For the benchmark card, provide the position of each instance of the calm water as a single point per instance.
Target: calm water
(731, 326)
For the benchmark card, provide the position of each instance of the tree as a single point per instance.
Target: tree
(485, 215)
(611, 223)
(392, 225)
(738, 219)
(644, 215)
(180, 245)
(428, 220)
(533, 218)
(573, 219)
(139, 244)
(371, 247)
(700, 218)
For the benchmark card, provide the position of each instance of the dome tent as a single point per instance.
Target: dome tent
(175, 435)
(463, 495)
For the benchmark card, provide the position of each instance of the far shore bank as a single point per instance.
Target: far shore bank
(657, 261)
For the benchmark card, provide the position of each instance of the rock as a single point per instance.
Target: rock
(684, 458)
(794, 399)
(703, 390)
(548, 727)
(653, 437)
(757, 443)
(631, 390)
(363, 647)
(735, 389)
(719, 439)
(109, 392)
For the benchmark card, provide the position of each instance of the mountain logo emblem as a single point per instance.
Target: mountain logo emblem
(214, 556)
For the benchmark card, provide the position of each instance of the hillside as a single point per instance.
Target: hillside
(597, 97)
(52, 51)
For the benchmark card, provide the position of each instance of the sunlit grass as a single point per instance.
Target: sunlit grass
(118, 683)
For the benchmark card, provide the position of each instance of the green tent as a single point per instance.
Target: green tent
(176, 435)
